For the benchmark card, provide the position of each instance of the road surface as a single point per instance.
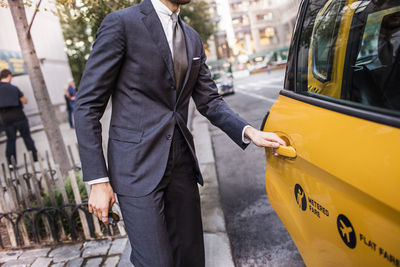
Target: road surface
(257, 235)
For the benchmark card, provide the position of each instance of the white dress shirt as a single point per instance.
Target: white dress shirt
(164, 14)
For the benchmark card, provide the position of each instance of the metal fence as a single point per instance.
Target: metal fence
(40, 207)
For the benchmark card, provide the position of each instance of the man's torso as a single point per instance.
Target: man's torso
(146, 107)
(11, 109)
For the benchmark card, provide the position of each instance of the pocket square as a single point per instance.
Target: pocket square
(196, 58)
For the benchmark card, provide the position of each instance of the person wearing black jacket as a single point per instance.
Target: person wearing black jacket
(12, 116)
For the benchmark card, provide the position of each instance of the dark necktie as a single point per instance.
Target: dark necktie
(180, 54)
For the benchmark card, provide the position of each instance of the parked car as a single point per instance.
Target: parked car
(336, 185)
(224, 82)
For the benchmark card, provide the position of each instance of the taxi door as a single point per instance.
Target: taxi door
(336, 185)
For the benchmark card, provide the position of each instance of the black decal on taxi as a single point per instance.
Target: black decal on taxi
(346, 231)
(300, 197)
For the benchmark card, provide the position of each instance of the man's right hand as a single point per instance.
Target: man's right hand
(101, 200)
(264, 139)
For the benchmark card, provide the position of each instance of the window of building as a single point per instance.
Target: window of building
(267, 36)
(240, 21)
(262, 17)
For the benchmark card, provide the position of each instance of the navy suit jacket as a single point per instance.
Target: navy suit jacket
(131, 61)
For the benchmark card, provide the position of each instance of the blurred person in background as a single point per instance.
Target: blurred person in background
(13, 118)
(70, 94)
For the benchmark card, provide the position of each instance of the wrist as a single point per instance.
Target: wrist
(249, 132)
(99, 185)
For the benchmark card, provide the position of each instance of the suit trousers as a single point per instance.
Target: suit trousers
(165, 227)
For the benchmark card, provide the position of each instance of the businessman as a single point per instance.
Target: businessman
(152, 63)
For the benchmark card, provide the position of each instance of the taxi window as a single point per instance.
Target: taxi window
(304, 45)
(324, 41)
(349, 53)
(375, 37)
(375, 75)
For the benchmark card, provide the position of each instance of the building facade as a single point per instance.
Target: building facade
(247, 27)
(49, 43)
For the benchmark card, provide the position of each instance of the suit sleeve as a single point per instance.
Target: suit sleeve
(211, 105)
(98, 81)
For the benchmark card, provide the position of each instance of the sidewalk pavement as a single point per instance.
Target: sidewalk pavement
(217, 244)
(108, 252)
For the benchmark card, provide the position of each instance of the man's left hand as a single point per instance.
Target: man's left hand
(264, 139)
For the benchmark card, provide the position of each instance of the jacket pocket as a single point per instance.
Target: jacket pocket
(125, 135)
(196, 62)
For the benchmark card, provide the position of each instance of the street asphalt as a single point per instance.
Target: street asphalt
(257, 236)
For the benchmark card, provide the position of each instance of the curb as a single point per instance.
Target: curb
(216, 241)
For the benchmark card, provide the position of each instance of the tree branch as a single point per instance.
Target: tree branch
(33, 18)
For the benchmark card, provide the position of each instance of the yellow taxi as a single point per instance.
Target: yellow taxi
(336, 186)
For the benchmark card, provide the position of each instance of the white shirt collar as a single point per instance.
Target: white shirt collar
(162, 9)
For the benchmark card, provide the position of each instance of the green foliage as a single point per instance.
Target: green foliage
(60, 202)
(81, 20)
(70, 194)
(197, 16)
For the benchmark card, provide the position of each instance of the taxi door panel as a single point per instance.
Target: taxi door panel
(335, 173)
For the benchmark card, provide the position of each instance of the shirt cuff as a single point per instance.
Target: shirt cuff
(99, 181)
(245, 139)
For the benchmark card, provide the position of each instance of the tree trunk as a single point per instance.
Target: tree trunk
(42, 97)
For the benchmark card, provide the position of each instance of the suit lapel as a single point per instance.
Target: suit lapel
(154, 27)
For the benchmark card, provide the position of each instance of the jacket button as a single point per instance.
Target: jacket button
(169, 137)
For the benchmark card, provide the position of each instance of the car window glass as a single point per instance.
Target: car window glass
(375, 80)
(313, 8)
(349, 54)
(374, 40)
(324, 41)
(216, 76)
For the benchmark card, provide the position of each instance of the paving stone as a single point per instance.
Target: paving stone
(118, 246)
(96, 248)
(9, 255)
(19, 263)
(75, 262)
(94, 262)
(125, 260)
(35, 253)
(42, 262)
(59, 264)
(112, 261)
(65, 253)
